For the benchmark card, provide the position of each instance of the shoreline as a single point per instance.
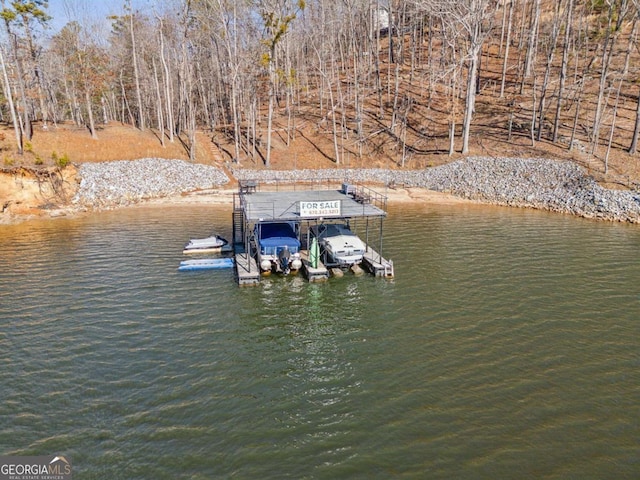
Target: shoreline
(218, 197)
(541, 184)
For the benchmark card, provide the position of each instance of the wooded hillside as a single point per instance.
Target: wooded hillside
(401, 83)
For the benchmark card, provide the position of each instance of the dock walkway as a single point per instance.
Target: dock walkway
(377, 265)
(313, 274)
(247, 270)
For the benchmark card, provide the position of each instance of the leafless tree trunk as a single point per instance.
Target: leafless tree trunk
(9, 96)
(576, 116)
(92, 125)
(24, 118)
(633, 148)
(272, 94)
(555, 30)
(168, 94)
(159, 115)
(136, 72)
(471, 97)
(332, 112)
(532, 45)
(507, 46)
(563, 69)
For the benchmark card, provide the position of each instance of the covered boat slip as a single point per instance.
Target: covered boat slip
(305, 208)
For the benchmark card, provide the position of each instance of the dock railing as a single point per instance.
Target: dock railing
(366, 195)
(248, 186)
(357, 191)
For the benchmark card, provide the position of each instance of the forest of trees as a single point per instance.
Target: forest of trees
(555, 71)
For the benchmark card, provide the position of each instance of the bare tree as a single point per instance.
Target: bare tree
(472, 22)
(9, 17)
(568, 26)
(166, 79)
(551, 49)
(277, 16)
(236, 66)
(532, 44)
(86, 67)
(621, 78)
(9, 96)
(159, 107)
(136, 71)
(507, 45)
(616, 15)
(636, 128)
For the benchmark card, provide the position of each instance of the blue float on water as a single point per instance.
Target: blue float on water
(205, 264)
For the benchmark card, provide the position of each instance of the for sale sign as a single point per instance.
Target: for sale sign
(325, 208)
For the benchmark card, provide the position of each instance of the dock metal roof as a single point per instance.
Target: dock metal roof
(294, 205)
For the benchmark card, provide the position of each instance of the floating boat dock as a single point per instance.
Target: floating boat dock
(255, 204)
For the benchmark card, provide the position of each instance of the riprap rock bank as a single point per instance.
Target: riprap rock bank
(110, 184)
(558, 186)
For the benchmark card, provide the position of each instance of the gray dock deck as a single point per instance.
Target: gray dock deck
(247, 270)
(317, 274)
(377, 265)
(285, 206)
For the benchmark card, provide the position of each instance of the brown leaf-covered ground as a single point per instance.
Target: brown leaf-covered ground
(309, 146)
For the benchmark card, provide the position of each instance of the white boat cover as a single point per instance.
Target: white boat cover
(213, 241)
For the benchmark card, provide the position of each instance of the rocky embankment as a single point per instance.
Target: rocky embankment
(111, 184)
(535, 183)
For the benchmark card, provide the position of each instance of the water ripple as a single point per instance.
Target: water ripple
(506, 346)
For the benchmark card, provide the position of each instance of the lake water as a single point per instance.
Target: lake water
(507, 346)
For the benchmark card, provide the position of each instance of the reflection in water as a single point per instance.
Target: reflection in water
(313, 325)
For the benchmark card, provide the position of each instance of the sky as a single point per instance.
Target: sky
(90, 12)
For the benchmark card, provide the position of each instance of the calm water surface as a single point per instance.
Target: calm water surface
(507, 346)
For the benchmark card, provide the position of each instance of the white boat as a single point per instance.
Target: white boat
(212, 244)
(338, 244)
